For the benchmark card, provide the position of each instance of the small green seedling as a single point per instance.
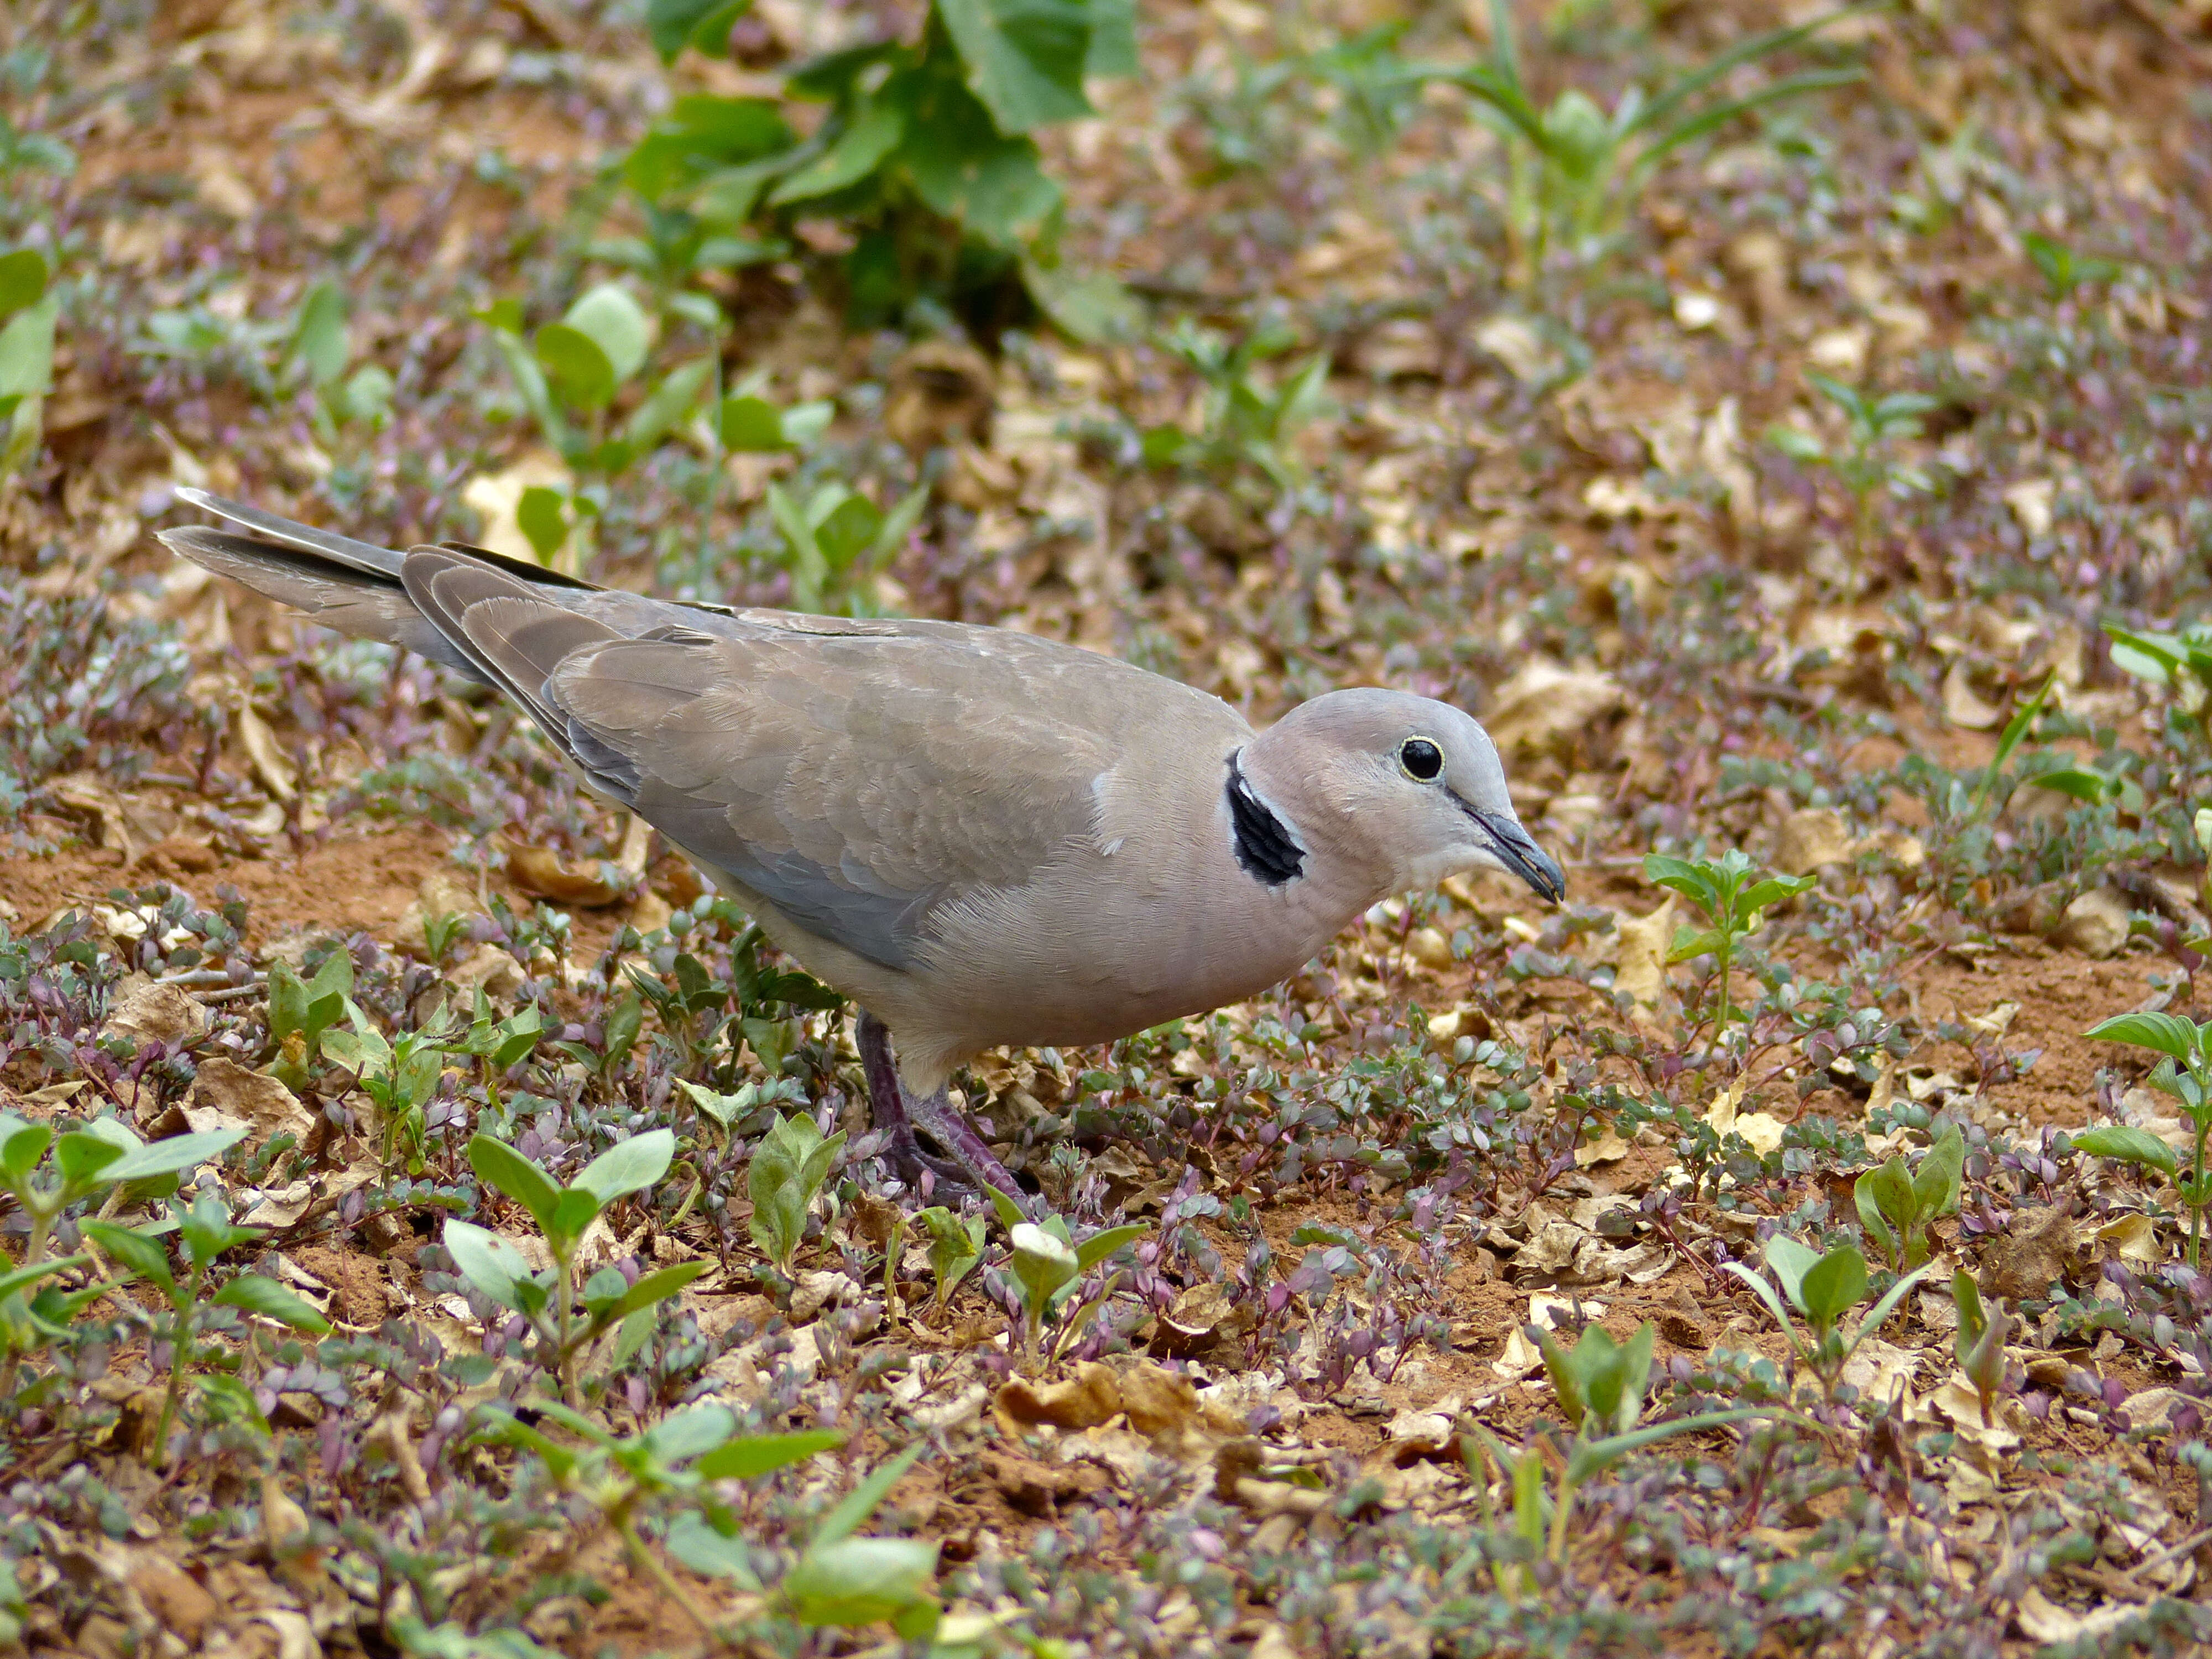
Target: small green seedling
(1048, 1266)
(1896, 1205)
(1864, 465)
(1599, 1385)
(674, 1459)
(500, 1044)
(568, 375)
(955, 1247)
(300, 1011)
(2181, 663)
(28, 311)
(2186, 1074)
(399, 1077)
(1250, 418)
(317, 357)
(1980, 1339)
(788, 1168)
(102, 1156)
(2062, 270)
(1577, 168)
(205, 1228)
(843, 1582)
(836, 539)
(1733, 896)
(547, 1300)
(1822, 1288)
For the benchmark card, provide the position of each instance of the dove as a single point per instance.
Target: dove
(979, 836)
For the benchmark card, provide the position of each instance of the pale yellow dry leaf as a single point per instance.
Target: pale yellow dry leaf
(1643, 953)
(269, 764)
(1810, 838)
(2135, 1236)
(1962, 707)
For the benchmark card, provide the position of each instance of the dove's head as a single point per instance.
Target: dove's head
(1392, 791)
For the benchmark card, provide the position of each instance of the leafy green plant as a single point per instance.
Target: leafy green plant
(836, 539)
(28, 310)
(501, 1045)
(300, 1011)
(838, 1580)
(925, 158)
(1823, 1289)
(2186, 1074)
(1865, 464)
(103, 1155)
(673, 1460)
(317, 356)
(569, 375)
(399, 1076)
(1599, 1385)
(1897, 1204)
(547, 1300)
(1576, 168)
(205, 1228)
(2062, 270)
(956, 1246)
(1249, 416)
(1047, 1268)
(2180, 663)
(1734, 897)
(1979, 1340)
(788, 1168)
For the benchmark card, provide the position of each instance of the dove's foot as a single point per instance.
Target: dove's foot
(971, 1165)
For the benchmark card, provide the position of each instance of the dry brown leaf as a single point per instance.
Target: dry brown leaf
(276, 773)
(1810, 839)
(1641, 973)
(146, 1011)
(255, 1099)
(1962, 706)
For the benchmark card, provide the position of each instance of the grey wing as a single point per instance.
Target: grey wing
(855, 777)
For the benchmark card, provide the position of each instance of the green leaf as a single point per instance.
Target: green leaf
(2129, 1145)
(1113, 39)
(575, 367)
(1833, 1286)
(22, 1146)
(1087, 304)
(613, 321)
(703, 25)
(1692, 942)
(656, 1287)
(853, 1510)
(1935, 1183)
(668, 402)
(1025, 57)
(752, 426)
(1100, 1245)
(16, 1278)
(1011, 1214)
(571, 1216)
(499, 1167)
(1042, 1263)
(540, 513)
(487, 1262)
(875, 131)
(27, 350)
(132, 1250)
(1791, 1261)
(80, 1157)
(754, 1455)
(694, 1542)
(685, 1435)
(257, 1294)
(319, 345)
(628, 1166)
(1866, 1198)
(859, 1580)
(2167, 1034)
(23, 277)
(172, 1157)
